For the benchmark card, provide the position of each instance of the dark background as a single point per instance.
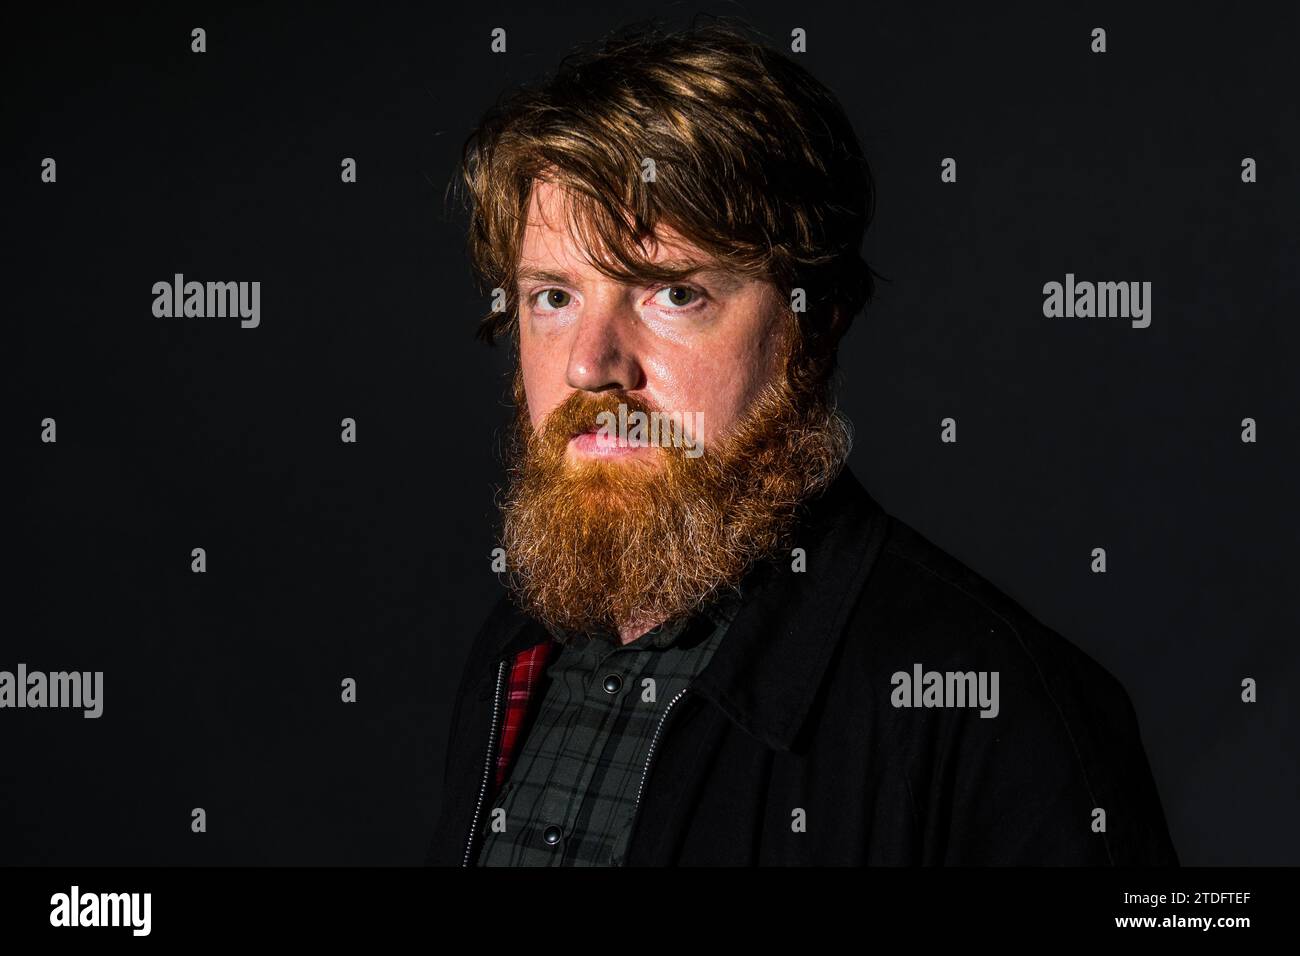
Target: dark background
(371, 561)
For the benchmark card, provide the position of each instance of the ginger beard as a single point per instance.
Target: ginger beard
(595, 545)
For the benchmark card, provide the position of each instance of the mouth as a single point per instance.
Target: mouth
(593, 443)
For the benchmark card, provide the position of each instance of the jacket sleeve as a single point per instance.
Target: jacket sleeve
(453, 737)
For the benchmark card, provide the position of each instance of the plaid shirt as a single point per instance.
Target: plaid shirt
(577, 735)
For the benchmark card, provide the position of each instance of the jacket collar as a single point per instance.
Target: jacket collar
(766, 672)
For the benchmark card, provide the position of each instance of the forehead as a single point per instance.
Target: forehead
(549, 242)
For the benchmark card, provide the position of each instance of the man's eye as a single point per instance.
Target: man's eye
(551, 299)
(678, 296)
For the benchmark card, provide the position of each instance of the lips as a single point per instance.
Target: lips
(599, 444)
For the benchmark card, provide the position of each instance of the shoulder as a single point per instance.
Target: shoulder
(921, 603)
(1051, 736)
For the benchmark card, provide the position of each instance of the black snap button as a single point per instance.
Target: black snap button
(612, 683)
(551, 834)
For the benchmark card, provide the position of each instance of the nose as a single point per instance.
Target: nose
(602, 354)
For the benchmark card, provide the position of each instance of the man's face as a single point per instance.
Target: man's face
(603, 534)
(703, 347)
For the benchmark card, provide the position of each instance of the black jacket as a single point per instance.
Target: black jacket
(788, 748)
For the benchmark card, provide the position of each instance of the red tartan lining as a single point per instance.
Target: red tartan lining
(525, 673)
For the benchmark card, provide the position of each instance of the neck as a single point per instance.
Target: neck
(627, 633)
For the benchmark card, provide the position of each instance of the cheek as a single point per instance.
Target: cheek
(543, 370)
(534, 378)
(724, 390)
(721, 391)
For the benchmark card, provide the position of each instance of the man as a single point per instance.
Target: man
(717, 648)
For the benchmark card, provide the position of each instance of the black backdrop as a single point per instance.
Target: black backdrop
(370, 560)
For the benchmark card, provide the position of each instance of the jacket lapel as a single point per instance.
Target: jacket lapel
(766, 673)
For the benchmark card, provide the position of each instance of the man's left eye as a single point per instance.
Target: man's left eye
(678, 296)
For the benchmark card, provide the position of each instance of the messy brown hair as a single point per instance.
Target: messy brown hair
(755, 162)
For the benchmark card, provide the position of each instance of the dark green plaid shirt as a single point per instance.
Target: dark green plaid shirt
(572, 790)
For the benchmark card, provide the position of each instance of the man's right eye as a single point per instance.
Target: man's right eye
(549, 300)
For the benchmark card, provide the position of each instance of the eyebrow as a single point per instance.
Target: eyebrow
(544, 275)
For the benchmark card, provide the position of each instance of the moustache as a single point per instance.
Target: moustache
(582, 413)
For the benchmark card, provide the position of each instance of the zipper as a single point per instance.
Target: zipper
(649, 758)
(487, 765)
